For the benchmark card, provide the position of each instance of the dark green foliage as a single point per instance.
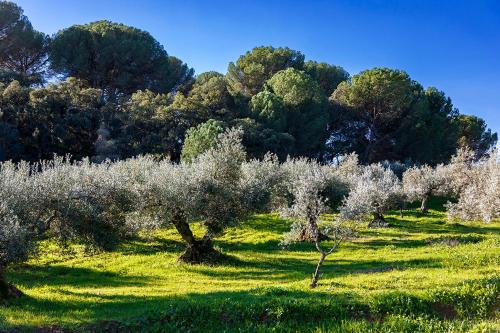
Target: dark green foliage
(59, 119)
(116, 58)
(473, 133)
(143, 125)
(270, 110)
(328, 76)
(427, 134)
(307, 112)
(200, 139)
(23, 50)
(259, 139)
(255, 67)
(151, 99)
(384, 115)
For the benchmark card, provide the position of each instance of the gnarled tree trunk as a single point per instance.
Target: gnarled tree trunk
(378, 221)
(423, 207)
(7, 291)
(197, 251)
(307, 235)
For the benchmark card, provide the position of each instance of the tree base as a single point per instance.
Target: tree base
(9, 292)
(378, 223)
(202, 252)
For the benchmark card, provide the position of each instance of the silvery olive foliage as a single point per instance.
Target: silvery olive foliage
(476, 186)
(459, 172)
(311, 189)
(88, 202)
(20, 218)
(335, 179)
(217, 188)
(349, 169)
(15, 242)
(308, 182)
(262, 183)
(419, 183)
(375, 191)
(207, 189)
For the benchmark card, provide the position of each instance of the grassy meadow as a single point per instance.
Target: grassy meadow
(423, 274)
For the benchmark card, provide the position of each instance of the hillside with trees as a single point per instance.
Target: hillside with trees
(285, 195)
(107, 90)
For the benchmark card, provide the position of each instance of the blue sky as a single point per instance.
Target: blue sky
(452, 45)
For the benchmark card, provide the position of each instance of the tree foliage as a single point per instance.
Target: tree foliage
(255, 67)
(116, 58)
(473, 134)
(419, 183)
(148, 100)
(59, 119)
(328, 76)
(375, 191)
(23, 50)
(475, 185)
(200, 139)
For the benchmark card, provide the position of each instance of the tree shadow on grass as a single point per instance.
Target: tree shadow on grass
(268, 222)
(30, 276)
(439, 227)
(292, 269)
(150, 246)
(398, 243)
(193, 312)
(263, 308)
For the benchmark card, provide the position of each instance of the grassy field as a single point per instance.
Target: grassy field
(423, 274)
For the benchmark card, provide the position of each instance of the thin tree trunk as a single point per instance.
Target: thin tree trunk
(402, 209)
(423, 207)
(315, 278)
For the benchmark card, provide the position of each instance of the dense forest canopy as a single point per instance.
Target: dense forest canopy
(106, 90)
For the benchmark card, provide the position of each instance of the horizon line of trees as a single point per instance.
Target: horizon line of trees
(109, 91)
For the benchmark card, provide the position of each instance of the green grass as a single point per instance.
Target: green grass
(422, 274)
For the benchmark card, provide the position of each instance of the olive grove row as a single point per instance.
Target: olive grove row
(100, 205)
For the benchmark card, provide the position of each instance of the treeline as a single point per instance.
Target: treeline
(106, 90)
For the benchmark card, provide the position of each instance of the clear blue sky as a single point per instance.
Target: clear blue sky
(452, 45)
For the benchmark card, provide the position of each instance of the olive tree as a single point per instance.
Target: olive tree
(87, 202)
(475, 185)
(15, 245)
(419, 183)
(214, 189)
(459, 172)
(262, 184)
(375, 191)
(20, 219)
(307, 188)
